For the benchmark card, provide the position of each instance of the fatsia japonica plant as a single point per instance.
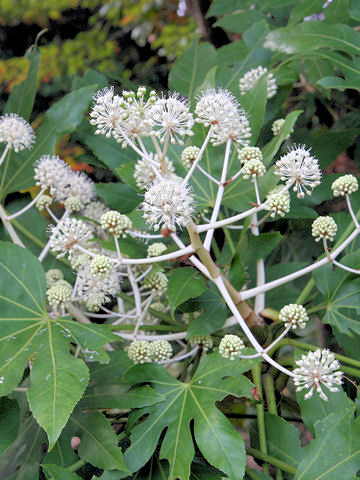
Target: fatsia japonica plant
(138, 317)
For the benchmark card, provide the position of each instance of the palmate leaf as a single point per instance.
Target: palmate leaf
(57, 379)
(188, 403)
(335, 452)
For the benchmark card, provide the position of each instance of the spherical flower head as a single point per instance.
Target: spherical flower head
(52, 276)
(253, 169)
(168, 202)
(250, 153)
(324, 227)
(135, 116)
(74, 184)
(106, 111)
(59, 293)
(172, 119)
(345, 185)
(161, 350)
(116, 223)
(277, 203)
(317, 369)
(140, 351)
(252, 76)
(157, 282)
(144, 172)
(294, 316)
(203, 341)
(67, 234)
(43, 201)
(49, 169)
(231, 347)
(73, 204)
(16, 132)
(300, 169)
(277, 126)
(94, 290)
(156, 249)
(189, 155)
(101, 266)
(220, 109)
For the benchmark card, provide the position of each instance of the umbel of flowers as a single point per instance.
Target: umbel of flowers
(90, 235)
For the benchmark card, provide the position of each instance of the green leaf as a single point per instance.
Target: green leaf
(328, 146)
(305, 8)
(62, 118)
(184, 283)
(335, 452)
(283, 440)
(222, 7)
(107, 150)
(119, 196)
(240, 22)
(57, 379)
(271, 148)
(254, 103)
(9, 422)
(189, 70)
(60, 473)
(98, 442)
(214, 315)
(21, 460)
(215, 437)
(354, 9)
(314, 35)
(260, 246)
(21, 99)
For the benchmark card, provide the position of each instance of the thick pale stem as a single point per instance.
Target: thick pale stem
(204, 172)
(352, 213)
(136, 292)
(180, 357)
(260, 266)
(9, 228)
(46, 249)
(219, 196)
(28, 206)
(7, 148)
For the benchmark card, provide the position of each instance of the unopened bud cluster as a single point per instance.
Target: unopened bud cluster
(115, 223)
(231, 347)
(189, 155)
(345, 185)
(252, 76)
(324, 227)
(203, 341)
(142, 351)
(294, 316)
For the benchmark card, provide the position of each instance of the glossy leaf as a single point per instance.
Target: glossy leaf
(62, 118)
(60, 473)
(217, 440)
(119, 196)
(98, 442)
(57, 379)
(335, 452)
(240, 22)
(283, 440)
(184, 283)
(189, 71)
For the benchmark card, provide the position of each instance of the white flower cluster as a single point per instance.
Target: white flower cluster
(168, 202)
(345, 185)
(252, 76)
(142, 351)
(67, 234)
(145, 173)
(157, 282)
(115, 223)
(189, 155)
(300, 169)
(220, 109)
(294, 316)
(74, 189)
(253, 168)
(94, 290)
(231, 347)
(324, 227)
(203, 341)
(250, 153)
(156, 249)
(16, 132)
(316, 369)
(277, 203)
